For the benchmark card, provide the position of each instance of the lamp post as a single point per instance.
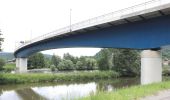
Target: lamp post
(70, 19)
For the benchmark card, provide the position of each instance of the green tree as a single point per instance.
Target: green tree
(80, 66)
(36, 60)
(55, 60)
(1, 40)
(104, 59)
(48, 62)
(65, 65)
(126, 62)
(67, 56)
(90, 63)
(2, 63)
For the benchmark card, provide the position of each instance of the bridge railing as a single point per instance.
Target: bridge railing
(113, 16)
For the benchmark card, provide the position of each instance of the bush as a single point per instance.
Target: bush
(52, 67)
(2, 63)
(9, 67)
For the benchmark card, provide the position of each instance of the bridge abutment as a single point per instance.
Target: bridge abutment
(151, 66)
(21, 65)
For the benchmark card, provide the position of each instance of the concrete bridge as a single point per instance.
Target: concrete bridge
(145, 26)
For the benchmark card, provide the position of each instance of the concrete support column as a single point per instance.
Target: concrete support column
(151, 66)
(21, 65)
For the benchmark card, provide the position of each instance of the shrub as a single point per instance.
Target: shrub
(52, 67)
(2, 63)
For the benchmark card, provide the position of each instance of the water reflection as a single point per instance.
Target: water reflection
(61, 92)
(64, 92)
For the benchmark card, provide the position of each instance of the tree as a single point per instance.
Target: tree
(2, 63)
(90, 63)
(104, 59)
(80, 66)
(1, 40)
(67, 56)
(65, 65)
(126, 62)
(55, 60)
(36, 61)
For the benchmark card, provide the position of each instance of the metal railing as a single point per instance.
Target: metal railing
(100, 19)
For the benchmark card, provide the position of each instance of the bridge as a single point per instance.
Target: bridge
(144, 26)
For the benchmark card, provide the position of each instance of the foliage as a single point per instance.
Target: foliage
(2, 63)
(104, 59)
(52, 67)
(80, 65)
(36, 61)
(166, 54)
(9, 67)
(55, 60)
(166, 71)
(90, 63)
(7, 78)
(48, 62)
(65, 65)
(130, 93)
(67, 56)
(126, 62)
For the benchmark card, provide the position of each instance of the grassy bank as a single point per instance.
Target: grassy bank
(131, 93)
(7, 78)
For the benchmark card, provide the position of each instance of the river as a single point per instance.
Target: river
(62, 91)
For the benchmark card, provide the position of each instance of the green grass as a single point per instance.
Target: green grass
(7, 78)
(131, 93)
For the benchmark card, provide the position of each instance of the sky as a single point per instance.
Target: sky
(22, 20)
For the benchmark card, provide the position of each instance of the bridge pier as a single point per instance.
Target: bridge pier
(21, 65)
(151, 66)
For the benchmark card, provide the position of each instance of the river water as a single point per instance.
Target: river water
(62, 91)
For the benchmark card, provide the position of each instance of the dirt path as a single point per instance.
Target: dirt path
(162, 95)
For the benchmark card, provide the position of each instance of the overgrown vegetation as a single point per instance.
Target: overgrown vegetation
(9, 67)
(7, 78)
(2, 63)
(124, 61)
(36, 61)
(130, 93)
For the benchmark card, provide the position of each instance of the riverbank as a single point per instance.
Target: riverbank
(8, 78)
(130, 93)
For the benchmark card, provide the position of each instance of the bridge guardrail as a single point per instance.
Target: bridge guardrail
(113, 16)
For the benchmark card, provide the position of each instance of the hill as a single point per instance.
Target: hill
(7, 55)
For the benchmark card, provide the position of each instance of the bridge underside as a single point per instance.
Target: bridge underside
(146, 34)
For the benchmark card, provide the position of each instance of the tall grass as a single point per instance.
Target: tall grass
(9, 67)
(131, 93)
(7, 78)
